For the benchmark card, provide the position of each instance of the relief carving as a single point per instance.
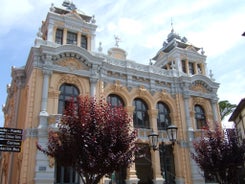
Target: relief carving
(199, 88)
(164, 95)
(72, 64)
(117, 86)
(142, 91)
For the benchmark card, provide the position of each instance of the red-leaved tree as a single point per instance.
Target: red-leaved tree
(93, 138)
(219, 154)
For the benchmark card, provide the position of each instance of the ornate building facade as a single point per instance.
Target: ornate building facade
(238, 117)
(174, 89)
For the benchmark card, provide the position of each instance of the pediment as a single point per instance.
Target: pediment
(191, 48)
(200, 86)
(72, 64)
(74, 15)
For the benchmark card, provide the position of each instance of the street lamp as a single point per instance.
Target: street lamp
(153, 140)
(172, 136)
(172, 133)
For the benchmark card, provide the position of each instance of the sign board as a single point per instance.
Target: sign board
(10, 139)
(10, 149)
(11, 130)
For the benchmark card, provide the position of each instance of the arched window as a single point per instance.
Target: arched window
(163, 118)
(200, 117)
(115, 100)
(66, 174)
(141, 118)
(67, 91)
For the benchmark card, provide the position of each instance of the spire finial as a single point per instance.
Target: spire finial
(172, 27)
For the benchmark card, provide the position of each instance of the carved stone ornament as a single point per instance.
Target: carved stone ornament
(164, 95)
(142, 91)
(198, 100)
(199, 87)
(68, 78)
(72, 64)
(117, 86)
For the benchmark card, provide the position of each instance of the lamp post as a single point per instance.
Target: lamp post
(153, 140)
(172, 136)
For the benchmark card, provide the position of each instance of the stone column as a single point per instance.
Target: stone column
(43, 114)
(64, 36)
(44, 174)
(195, 68)
(131, 172)
(93, 83)
(46, 74)
(93, 79)
(79, 39)
(155, 156)
(187, 66)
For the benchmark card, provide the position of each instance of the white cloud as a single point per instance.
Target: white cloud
(11, 13)
(130, 26)
(218, 36)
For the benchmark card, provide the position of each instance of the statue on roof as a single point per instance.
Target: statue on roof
(117, 40)
(69, 5)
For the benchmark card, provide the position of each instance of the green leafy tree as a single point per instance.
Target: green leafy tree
(93, 138)
(219, 154)
(226, 108)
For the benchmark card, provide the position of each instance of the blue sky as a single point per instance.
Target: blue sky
(142, 25)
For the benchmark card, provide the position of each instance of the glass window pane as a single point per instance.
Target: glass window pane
(71, 38)
(200, 117)
(59, 36)
(115, 100)
(141, 118)
(163, 119)
(84, 41)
